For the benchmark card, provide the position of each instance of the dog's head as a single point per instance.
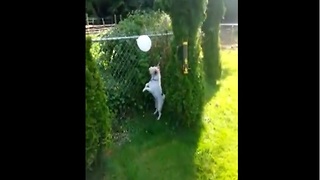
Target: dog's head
(154, 70)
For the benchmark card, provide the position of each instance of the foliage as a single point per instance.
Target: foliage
(98, 118)
(185, 92)
(211, 43)
(140, 22)
(104, 8)
(164, 5)
(125, 68)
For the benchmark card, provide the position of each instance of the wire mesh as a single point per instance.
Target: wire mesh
(229, 35)
(124, 68)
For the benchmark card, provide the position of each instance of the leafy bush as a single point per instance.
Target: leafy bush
(98, 118)
(163, 5)
(125, 68)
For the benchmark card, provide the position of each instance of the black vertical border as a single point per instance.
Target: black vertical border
(278, 90)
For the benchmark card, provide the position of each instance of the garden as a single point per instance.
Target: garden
(197, 135)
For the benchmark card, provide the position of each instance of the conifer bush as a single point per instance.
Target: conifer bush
(185, 92)
(98, 117)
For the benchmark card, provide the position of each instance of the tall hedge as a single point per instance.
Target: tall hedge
(211, 41)
(185, 92)
(98, 118)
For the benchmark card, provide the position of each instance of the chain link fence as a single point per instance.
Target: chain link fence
(124, 68)
(228, 35)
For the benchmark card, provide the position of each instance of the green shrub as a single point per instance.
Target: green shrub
(98, 118)
(163, 5)
(125, 68)
(211, 42)
(185, 92)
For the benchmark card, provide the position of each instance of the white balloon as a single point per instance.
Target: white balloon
(144, 43)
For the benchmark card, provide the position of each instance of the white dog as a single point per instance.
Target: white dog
(154, 87)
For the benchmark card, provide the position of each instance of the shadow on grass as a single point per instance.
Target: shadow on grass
(211, 90)
(98, 168)
(96, 174)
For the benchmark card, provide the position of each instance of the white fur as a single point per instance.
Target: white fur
(154, 87)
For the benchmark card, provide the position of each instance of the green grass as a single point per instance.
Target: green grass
(157, 151)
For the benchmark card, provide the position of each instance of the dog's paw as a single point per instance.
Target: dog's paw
(159, 117)
(155, 111)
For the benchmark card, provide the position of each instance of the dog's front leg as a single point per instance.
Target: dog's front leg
(146, 89)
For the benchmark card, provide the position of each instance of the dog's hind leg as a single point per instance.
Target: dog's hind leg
(159, 108)
(156, 105)
(159, 116)
(155, 111)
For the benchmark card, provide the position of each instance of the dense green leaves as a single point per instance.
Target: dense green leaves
(103, 8)
(98, 118)
(185, 92)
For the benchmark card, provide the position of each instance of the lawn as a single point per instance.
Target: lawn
(152, 150)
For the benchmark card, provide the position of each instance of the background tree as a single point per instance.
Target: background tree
(104, 8)
(211, 43)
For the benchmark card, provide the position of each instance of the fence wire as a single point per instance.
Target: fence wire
(228, 34)
(124, 67)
